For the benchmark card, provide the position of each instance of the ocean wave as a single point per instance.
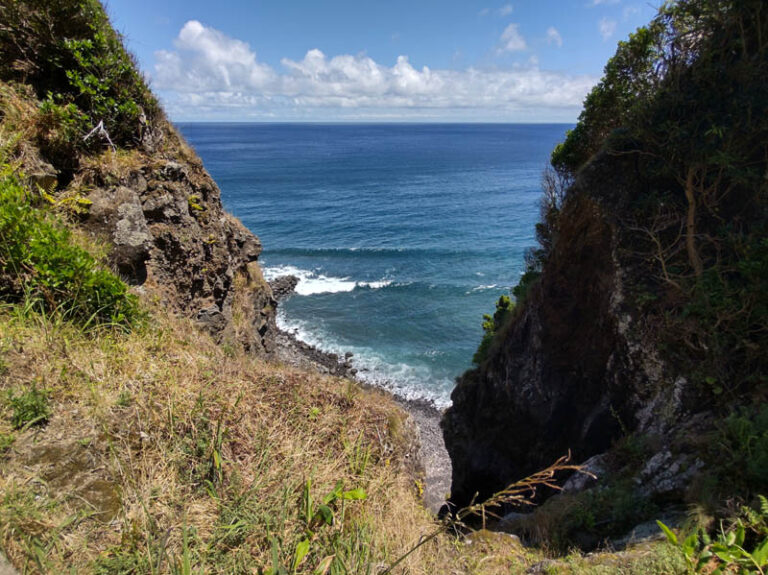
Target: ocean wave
(485, 287)
(410, 382)
(312, 283)
(377, 251)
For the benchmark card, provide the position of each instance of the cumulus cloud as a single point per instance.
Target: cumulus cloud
(512, 40)
(604, 2)
(553, 37)
(209, 73)
(219, 61)
(607, 28)
(505, 10)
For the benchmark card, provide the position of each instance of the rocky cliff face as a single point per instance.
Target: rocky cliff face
(80, 121)
(163, 217)
(160, 216)
(573, 370)
(647, 320)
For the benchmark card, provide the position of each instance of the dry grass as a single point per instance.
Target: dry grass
(18, 124)
(166, 453)
(161, 436)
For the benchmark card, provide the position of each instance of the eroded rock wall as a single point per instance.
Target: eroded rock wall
(574, 370)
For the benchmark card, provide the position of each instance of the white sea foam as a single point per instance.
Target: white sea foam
(375, 285)
(407, 381)
(312, 283)
(485, 287)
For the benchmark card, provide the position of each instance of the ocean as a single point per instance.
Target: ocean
(402, 235)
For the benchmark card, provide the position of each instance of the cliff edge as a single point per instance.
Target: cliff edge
(635, 340)
(83, 126)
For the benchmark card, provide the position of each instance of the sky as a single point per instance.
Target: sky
(375, 61)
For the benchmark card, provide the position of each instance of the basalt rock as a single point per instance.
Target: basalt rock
(162, 216)
(574, 370)
(283, 286)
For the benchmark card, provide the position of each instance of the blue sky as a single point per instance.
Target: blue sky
(417, 60)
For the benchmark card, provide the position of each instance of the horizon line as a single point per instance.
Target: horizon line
(371, 122)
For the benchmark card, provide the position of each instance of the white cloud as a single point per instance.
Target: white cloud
(220, 61)
(505, 10)
(484, 12)
(607, 28)
(210, 75)
(553, 37)
(604, 2)
(512, 40)
(629, 11)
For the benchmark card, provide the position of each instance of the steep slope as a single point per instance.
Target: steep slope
(79, 121)
(643, 313)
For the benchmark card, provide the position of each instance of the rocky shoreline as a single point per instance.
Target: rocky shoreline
(433, 455)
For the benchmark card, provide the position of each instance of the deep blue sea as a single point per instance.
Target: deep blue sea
(402, 235)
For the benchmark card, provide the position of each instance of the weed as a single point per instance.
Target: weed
(194, 203)
(29, 407)
(6, 441)
(124, 399)
(730, 551)
(358, 454)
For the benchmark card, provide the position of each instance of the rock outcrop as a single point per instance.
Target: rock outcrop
(574, 370)
(163, 217)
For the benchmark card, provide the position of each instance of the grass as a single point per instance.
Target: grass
(190, 442)
(162, 455)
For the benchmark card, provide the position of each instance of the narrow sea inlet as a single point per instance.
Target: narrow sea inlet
(402, 235)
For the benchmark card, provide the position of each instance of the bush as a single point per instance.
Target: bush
(40, 264)
(76, 63)
(742, 450)
(491, 325)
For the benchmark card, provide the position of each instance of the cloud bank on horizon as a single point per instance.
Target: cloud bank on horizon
(210, 74)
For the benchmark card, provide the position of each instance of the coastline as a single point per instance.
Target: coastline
(433, 457)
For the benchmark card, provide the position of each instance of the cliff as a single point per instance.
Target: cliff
(133, 441)
(81, 123)
(639, 321)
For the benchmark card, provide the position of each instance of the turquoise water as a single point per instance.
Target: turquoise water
(402, 235)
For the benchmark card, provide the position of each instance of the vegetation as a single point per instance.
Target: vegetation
(29, 408)
(741, 547)
(76, 63)
(41, 265)
(219, 464)
(681, 110)
(222, 464)
(737, 456)
(672, 148)
(696, 224)
(491, 324)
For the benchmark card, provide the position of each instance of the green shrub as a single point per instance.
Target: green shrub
(6, 441)
(69, 53)
(41, 265)
(29, 407)
(742, 450)
(520, 291)
(742, 547)
(491, 325)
